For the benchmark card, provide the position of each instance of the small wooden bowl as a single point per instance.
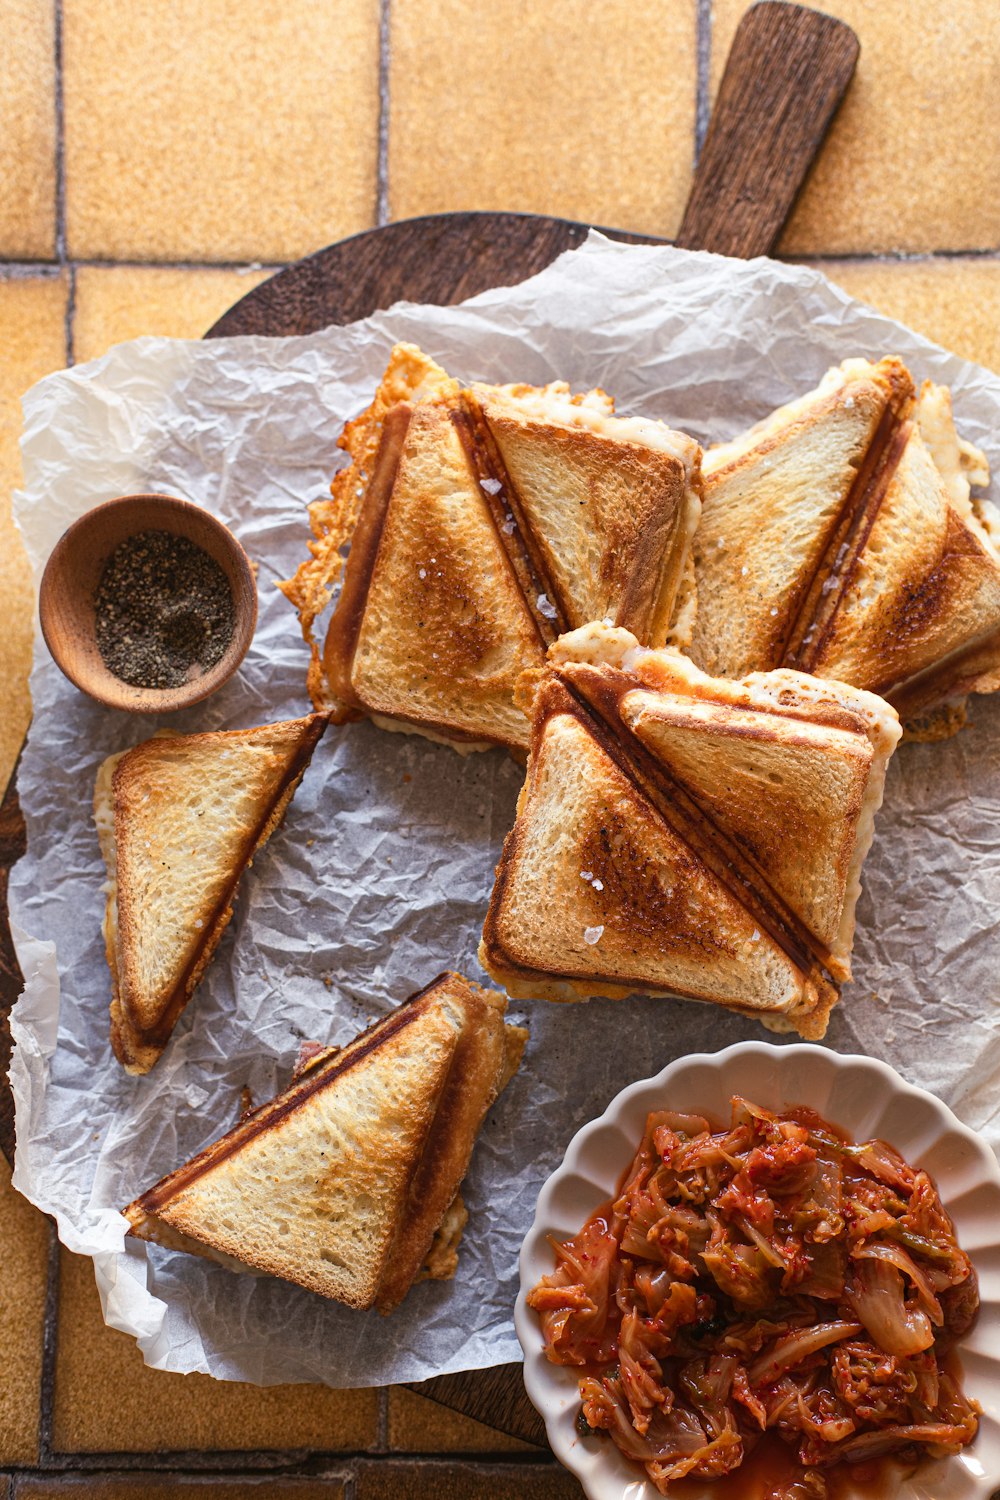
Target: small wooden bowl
(73, 572)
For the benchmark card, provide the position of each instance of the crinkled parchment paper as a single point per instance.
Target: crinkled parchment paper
(380, 876)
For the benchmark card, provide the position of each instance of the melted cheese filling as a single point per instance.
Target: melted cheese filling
(542, 405)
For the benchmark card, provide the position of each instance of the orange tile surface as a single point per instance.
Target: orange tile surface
(27, 130)
(114, 303)
(420, 1425)
(24, 1246)
(218, 131)
(396, 1481)
(585, 112)
(106, 1399)
(32, 340)
(955, 302)
(913, 157)
(164, 1487)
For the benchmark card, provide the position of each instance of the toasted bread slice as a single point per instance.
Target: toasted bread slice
(839, 537)
(431, 629)
(612, 504)
(483, 522)
(773, 502)
(180, 818)
(342, 1182)
(678, 834)
(411, 375)
(921, 600)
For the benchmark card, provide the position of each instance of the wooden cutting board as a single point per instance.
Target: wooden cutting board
(785, 77)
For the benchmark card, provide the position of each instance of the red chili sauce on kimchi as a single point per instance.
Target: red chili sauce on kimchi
(768, 1295)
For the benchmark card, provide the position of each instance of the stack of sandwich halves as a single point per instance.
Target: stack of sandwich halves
(704, 659)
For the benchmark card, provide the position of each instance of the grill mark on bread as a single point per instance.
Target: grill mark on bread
(942, 685)
(690, 822)
(475, 1078)
(290, 1099)
(345, 626)
(858, 514)
(518, 543)
(924, 601)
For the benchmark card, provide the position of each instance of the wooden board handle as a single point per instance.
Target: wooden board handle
(787, 72)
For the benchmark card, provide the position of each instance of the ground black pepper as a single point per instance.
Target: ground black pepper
(164, 611)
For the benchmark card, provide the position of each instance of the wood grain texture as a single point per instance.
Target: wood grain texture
(439, 258)
(787, 72)
(496, 1397)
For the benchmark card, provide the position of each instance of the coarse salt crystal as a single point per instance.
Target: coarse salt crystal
(744, 570)
(198, 922)
(546, 607)
(508, 526)
(755, 937)
(491, 486)
(598, 885)
(592, 934)
(586, 874)
(773, 610)
(421, 572)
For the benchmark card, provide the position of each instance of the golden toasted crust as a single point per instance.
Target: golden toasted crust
(431, 628)
(347, 1182)
(600, 557)
(650, 851)
(188, 812)
(482, 523)
(776, 504)
(411, 375)
(597, 894)
(839, 537)
(473, 1082)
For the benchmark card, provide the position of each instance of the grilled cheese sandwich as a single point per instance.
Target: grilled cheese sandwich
(482, 523)
(839, 536)
(179, 818)
(347, 1182)
(679, 834)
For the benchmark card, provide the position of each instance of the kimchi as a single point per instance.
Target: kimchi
(770, 1278)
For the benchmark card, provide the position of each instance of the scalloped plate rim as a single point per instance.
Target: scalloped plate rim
(552, 1389)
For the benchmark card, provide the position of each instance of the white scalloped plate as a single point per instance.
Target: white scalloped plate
(866, 1098)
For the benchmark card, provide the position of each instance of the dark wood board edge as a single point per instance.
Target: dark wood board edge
(438, 259)
(495, 1396)
(13, 843)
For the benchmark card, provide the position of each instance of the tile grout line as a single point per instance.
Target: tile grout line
(382, 165)
(60, 123)
(274, 1463)
(13, 269)
(46, 1405)
(703, 75)
(61, 248)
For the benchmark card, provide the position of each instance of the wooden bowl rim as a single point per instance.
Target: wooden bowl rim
(110, 690)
